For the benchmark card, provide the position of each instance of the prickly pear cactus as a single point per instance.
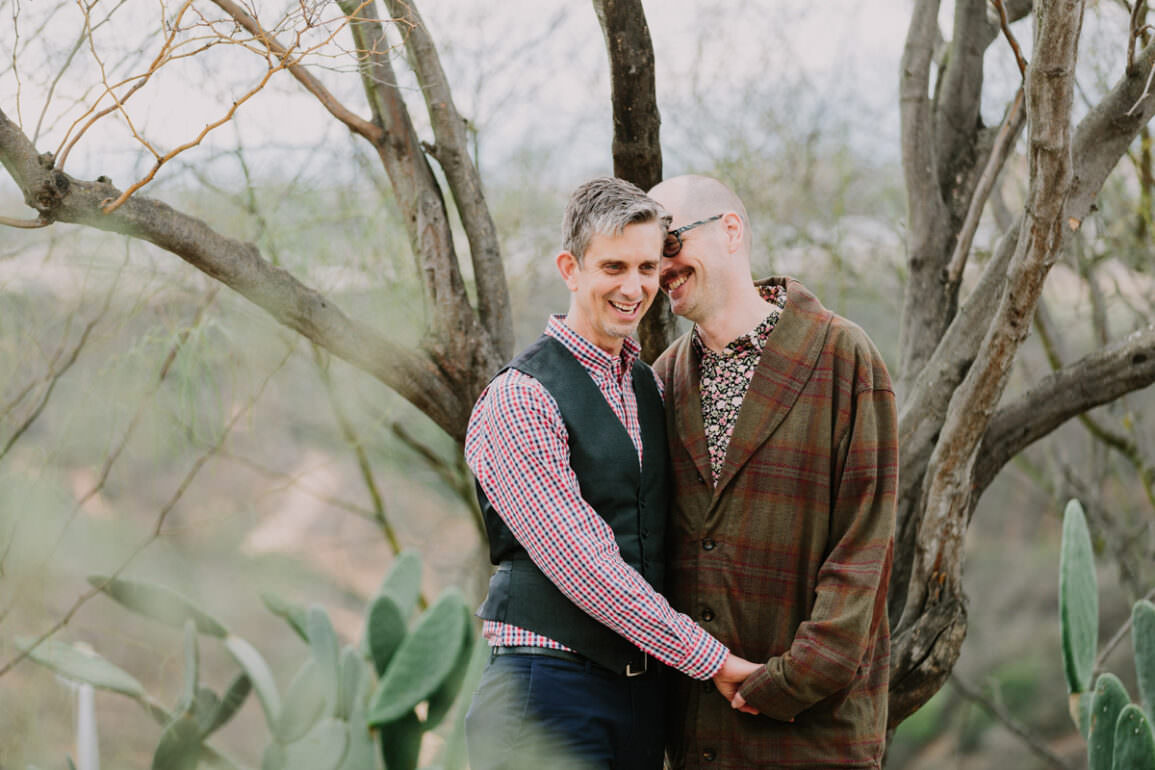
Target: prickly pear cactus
(1078, 600)
(331, 716)
(1118, 733)
(1134, 743)
(1109, 700)
(1143, 641)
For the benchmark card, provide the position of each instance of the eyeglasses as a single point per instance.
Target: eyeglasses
(673, 245)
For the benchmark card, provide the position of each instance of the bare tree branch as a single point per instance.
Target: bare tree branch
(24, 224)
(1095, 379)
(929, 218)
(1004, 23)
(356, 124)
(452, 153)
(457, 342)
(1008, 134)
(957, 104)
(1099, 142)
(60, 197)
(936, 574)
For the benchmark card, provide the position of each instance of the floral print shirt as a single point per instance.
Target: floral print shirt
(726, 376)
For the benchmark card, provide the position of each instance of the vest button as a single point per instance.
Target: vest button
(709, 755)
(707, 614)
(708, 545)
(701, 480)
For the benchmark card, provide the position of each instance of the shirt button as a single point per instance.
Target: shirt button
(708, 545)
(707, 614)
(709, 755)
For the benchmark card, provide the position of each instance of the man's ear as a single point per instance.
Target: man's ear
(567, 265)
(734, 228)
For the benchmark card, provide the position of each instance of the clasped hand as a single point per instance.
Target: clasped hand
(730, 677)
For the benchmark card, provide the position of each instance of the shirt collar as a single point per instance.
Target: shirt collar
(594, 359)
(753, 341)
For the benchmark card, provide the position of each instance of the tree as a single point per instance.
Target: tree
(957, 429)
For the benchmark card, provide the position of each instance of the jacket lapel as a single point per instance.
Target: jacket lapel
(788, 360)
(688, 406)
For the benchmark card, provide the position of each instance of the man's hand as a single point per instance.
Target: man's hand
(731, 676)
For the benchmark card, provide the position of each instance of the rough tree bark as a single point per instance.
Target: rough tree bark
(637, 145)
(956, 357)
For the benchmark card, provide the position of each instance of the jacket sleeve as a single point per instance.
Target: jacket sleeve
(850, 596)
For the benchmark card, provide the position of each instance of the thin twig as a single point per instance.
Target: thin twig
(25, 224)
(294, 482)
(1009, 131)
(354, 442)
(1010, 36)
(1000, 713)
(162, 516)
(1137, 28)
(1110, 646)
(114, 455)
(54, 376)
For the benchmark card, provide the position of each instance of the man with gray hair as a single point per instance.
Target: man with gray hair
(568, 446)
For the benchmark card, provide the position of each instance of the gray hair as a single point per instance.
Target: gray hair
(605, 206)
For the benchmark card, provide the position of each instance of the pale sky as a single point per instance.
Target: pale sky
(525, 71)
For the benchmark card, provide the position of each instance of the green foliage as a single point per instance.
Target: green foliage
(82, 666)
(1110, 699)
(403, 583)
(1078, 600)
(159, 603)
(383, 632)
(1143, 641)
(425, 658)
(1134, 743)
(323, 720)
(294, 614)
(1118, 733)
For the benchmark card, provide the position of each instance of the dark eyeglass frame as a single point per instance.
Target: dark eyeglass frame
(672, 246)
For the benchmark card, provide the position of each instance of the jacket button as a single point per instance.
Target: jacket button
(707, 614)
(708, 545)
(709, 755)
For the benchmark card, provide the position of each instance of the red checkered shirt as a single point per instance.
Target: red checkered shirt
(518, 448)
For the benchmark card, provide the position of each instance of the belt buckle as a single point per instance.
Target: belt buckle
(630, 672)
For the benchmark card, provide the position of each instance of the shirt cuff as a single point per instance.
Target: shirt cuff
(705, 657)
(761, 691)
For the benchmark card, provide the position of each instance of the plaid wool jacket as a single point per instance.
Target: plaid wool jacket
(787, 559)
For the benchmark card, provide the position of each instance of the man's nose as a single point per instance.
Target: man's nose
(632, 284)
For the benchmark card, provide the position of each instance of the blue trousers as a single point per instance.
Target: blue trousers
(532, 711)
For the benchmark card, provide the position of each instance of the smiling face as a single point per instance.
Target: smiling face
(704, 278)
(687, 277)
(614, 283)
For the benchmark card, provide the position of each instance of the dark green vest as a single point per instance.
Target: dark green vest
(633, 502)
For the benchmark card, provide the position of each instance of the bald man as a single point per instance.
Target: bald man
(783, 441)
